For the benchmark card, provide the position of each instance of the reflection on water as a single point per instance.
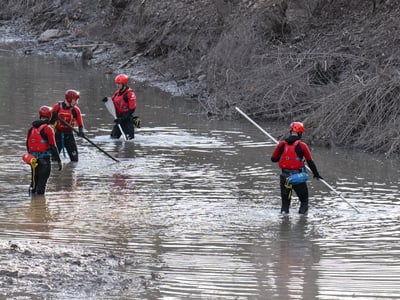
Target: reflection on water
(195, 202)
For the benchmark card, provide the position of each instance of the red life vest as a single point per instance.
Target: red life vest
(69, 115)
(124, 102)
(36, 141)
(289, 159)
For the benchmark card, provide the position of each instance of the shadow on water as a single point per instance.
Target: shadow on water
(190, 212)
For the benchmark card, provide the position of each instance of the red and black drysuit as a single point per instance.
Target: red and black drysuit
(291, 153)
(64, 134)
(40, 142)
(124, 100)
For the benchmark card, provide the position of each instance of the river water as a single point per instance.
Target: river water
(191, 211)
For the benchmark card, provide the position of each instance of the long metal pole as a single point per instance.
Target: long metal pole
(276, 142)
(86, 138)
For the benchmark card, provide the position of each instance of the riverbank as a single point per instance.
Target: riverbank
(17, 38)
(332, 65)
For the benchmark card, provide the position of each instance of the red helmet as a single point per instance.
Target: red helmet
(121, 78)
(46, 112)
(296, 127)
(71, 95)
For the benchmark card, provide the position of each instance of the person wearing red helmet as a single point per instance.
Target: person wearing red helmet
(71, 116)
(124, 100)
(40, 143)
(290, 154)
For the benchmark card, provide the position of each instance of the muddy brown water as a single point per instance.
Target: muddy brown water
(190, 212)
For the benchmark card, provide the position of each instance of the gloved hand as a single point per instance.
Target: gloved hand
(137, 122)
(105, 99)
(59, 165)
(118, 120)
(317, 176)
(80, 133)
(54, 118)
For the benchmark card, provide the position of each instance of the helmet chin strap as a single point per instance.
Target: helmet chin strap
(72, 103)
(122, 89)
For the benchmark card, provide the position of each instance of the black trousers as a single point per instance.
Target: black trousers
(40, 175)
(127, 126)
(67, 140)
(301, 191)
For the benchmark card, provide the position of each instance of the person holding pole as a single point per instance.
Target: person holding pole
(308, 168)
(124, 100)
(69, 112)
(41, 146)
(290, 154)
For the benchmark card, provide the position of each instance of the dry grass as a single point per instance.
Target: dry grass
(348, 98)
(338, 104)
(363, 113)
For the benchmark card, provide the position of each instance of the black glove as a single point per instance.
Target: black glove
(59, 165)
(118, 120)
(54, 117)
(105, 99)
(137, 122)
(80, 133)
(317, 176)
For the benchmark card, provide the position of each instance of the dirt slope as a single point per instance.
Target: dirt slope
(332, 64)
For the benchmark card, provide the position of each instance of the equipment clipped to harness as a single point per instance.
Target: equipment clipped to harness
(296, 178)
(137, 122)
(30, 159)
